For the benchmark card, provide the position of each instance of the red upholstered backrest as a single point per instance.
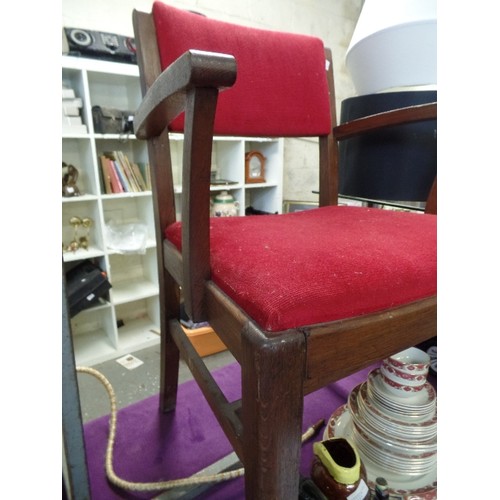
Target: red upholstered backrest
(281, 87)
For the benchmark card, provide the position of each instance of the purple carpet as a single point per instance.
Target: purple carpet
(151, 447)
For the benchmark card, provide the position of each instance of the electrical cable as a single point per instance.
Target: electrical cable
(162, 485)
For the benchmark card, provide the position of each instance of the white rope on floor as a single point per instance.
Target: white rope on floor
(162, 485)
(135, 486)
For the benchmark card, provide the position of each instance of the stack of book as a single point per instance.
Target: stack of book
(71, 107)
(120, 175)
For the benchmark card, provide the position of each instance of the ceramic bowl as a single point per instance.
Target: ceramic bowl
(414, 382)
(403, 377)
(412, 361)
(398, 389)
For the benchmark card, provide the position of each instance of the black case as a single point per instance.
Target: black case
(112, 121)
(85, 284)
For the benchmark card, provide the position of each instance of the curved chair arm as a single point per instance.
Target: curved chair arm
(166, 98)
(398, 116)
(191, 84)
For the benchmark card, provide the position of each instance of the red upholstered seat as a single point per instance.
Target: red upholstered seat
(271, 66)
(332, 262)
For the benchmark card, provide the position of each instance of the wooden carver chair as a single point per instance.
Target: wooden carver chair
(300, 299)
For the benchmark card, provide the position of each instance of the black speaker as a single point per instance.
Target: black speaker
(99, 45)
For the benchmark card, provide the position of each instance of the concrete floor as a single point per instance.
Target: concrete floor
(131, 385)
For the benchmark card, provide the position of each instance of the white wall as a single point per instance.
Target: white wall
(331, 20)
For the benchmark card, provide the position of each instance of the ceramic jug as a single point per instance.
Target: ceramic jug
(337, 470)
(223, 205)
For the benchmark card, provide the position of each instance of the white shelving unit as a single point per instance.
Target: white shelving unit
(127, 317)
(228, 163)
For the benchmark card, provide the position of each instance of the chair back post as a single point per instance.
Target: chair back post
(431, 204)
(148, 60)
(148, 56)
(328, 149)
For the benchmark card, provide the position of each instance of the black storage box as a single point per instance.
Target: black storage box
(85, 284)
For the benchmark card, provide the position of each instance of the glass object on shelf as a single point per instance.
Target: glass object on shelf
(126, 238)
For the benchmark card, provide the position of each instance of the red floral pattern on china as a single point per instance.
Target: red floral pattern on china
(411, 367)
(405, 388)
(406, 376)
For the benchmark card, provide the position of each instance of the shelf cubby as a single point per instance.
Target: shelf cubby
(127, 318)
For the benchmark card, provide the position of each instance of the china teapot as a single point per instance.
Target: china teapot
(223, 205)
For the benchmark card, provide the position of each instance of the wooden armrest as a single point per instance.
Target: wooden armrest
(399, 116)
(166, 97)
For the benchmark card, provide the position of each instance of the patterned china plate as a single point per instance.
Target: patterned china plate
(390, 463)
(407, 428)
(393, 445)
(400, 486)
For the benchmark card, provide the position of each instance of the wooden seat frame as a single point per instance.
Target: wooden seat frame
(278, 369)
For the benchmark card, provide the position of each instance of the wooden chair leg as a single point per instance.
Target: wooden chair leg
(272, 405)
(169, 372)
(169, 357)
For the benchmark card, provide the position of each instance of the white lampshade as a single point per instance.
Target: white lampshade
(394, 46)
